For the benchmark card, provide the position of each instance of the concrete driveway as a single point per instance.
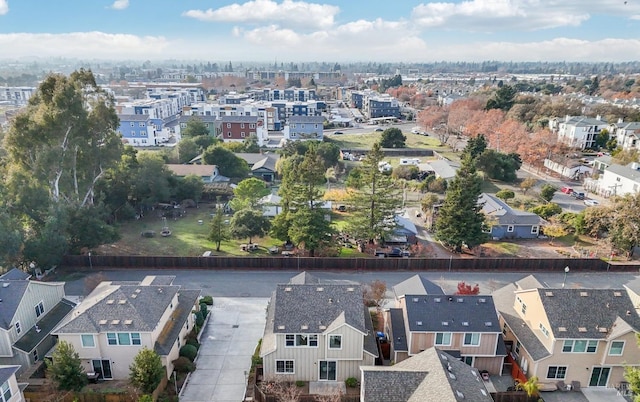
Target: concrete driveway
(227, 343)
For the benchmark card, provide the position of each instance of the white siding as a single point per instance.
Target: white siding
(48, 294)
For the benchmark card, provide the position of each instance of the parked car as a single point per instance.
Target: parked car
(591, 203)
(566, 190)
(379, 129)
(338, 132)
(578, 195)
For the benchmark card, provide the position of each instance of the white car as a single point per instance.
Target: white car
(591, 203)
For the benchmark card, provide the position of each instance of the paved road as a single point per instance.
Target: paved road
(260, 283)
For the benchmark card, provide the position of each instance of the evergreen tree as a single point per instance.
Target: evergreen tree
(146, 371)
(219, 231)
(460, 220)
(475, 146)
(375, 201)
(65, 368)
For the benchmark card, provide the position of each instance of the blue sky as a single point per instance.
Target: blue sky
(338, 30)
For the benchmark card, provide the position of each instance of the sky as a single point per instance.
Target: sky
(336, 30)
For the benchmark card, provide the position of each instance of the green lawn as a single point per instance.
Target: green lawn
(366, 141)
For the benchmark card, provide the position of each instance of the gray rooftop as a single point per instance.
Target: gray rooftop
(306, 119)
(587, 313)
(308, 307)
(399, 340)
(38, 333)
(417, 285)
(120, 308)
(133, 117)
(504, 299)
(6, 372)
(171, 331)
(14, 274)
(492, 207)
(432, 375)
(453, 313)
(625, 171)
(11, 292)
(304, 278)
(239, 119)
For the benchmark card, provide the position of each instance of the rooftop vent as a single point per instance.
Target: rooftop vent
(465, 323)
(138, 290)
(419, 323)
(6, 284)
(322, 327)
(483, 392)
(110, 301)
(488, 324)
(617, 294)
(584, 294)
(459, 394)
(602, 329)
(482, 300)
(628, 312)
(445, 323)
(449, 367)
(415, 300)
(443, 356)
(287, 289)
(128, 322)
(115, 322)
(452, 376)
(460, 300)
(437, 300)
(103, 322)
(133, 296)
(320, 289)
(351, 289)
(450, 298)
(122, 301)
(582, 329)
(548, 293)
(280, 326)
(562, 329)
(304, 327)
(160, 290)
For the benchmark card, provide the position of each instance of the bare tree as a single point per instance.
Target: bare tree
(374, 293)
(92, 281)
(335, 396)
(281, 389)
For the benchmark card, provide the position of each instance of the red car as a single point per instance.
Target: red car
(566, 190)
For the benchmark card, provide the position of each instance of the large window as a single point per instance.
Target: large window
(5, 391)
(443, 338)
(335, 341)
(557, 372)
(616, 348)
(301, 340)
(123, 338)
(579, 346)
(472, 339)
(88, 341)
(285, 367)
(39, 309)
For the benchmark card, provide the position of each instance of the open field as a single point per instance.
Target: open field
(366, 141)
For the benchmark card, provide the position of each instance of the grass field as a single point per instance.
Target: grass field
(366, 141)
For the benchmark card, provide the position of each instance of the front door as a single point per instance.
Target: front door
(599, 376)
(328, 370)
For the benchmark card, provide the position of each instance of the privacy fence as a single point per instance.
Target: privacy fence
(348, 264)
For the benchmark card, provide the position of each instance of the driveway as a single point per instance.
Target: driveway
(227, 344)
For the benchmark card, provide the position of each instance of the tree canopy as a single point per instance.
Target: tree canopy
(392, 138)
(247, 223)
(195, 128)
(146, 371)
(228, 163)
(247, 193)
(65, 368)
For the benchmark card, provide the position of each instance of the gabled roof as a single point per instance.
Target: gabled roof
(304, 278)
(6, 372)
(432, 375)
(306, 119)
(625, 171)
(311, 308)
(14, 274)
(417, 285)
(239, 119)
(399, 333)
(587, 313)
(185, 170)
(133, 117)
(504, 300)
(442, 168)
(11, 292)
(257, 161)
(405, 224)
(51, 319)
(113, 308)
(493, 207)
(453, 313)
(171, 331)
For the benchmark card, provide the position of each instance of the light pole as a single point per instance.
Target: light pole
(90, 263)
(564, 281)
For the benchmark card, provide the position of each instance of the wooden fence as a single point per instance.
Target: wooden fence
(347, 264)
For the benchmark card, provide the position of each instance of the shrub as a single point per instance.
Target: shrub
(189, 351)
(351, 382)
(193, 342)
(207, 300)
(199, 319)
(184, 365)
(203, 309)
(299, 383)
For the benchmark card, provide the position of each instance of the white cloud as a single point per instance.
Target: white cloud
(497, 15)
(289, 12)
(120, 4)
(4, 7)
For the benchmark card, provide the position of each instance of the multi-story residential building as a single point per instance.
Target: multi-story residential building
(9, 388)
(288, 95)
(578, 132)
(374, 105)
(627, 135)
(583, 335)
(29, 311)
(305, 128)
(240, 128)
(117, 320)
(16, 96)
(210, 122)
(317, 332)
(432, 375)
(138, 130)
(616, 180)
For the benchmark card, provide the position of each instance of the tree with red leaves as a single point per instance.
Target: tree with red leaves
(464, 289)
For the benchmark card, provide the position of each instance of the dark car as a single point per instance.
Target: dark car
(337, 132)
(578, 195)
(379, 129)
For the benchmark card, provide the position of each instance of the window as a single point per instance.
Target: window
(472, 339)
(228, 125)
(510, 229)
(39, 309)
(88, 341)
(557, 372)
(35, 355)
(284, 367)
(524, 308)
(141, 124)
(467, 360)
(252, 125)
(6, 391)
(124, 339)
(290, 340)
(135, 338)
(302, 340)
(335, 341)
(518, 344)
(242, 134)
(443, 338)
(544, 330)
(504, 329)
(111, 338)
(616, 348)
(313, 340)
(229, 134)
(241, 125)
(535, 229)
(18, 329)
(579, 346)
(133, 124)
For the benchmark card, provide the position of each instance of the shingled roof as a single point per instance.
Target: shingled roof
(417, 285)
(454, 313)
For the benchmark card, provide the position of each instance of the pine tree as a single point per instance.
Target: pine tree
(65, 368)
(146, 371)
(375, 201)
(460, 220)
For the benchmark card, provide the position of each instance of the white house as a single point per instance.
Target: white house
(616, 180)
(579, 132)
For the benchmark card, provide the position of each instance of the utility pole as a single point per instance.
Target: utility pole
(615, 188)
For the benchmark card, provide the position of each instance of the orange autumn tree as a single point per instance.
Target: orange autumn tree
(464, 289)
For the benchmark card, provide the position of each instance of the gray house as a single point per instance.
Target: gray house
(508, 223)
(317, 331)
(29, 310)
(432, 375)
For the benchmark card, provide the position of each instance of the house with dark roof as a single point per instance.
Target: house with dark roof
(317, 331)
(117, 320)
(304, 128)
(10, 390)
(432, 375)
(584, 335)
(508, 223)
(262, 165)
(466, 326)
(208, 173)
(29, 311)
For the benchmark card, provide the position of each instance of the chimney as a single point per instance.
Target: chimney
(620, 120)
